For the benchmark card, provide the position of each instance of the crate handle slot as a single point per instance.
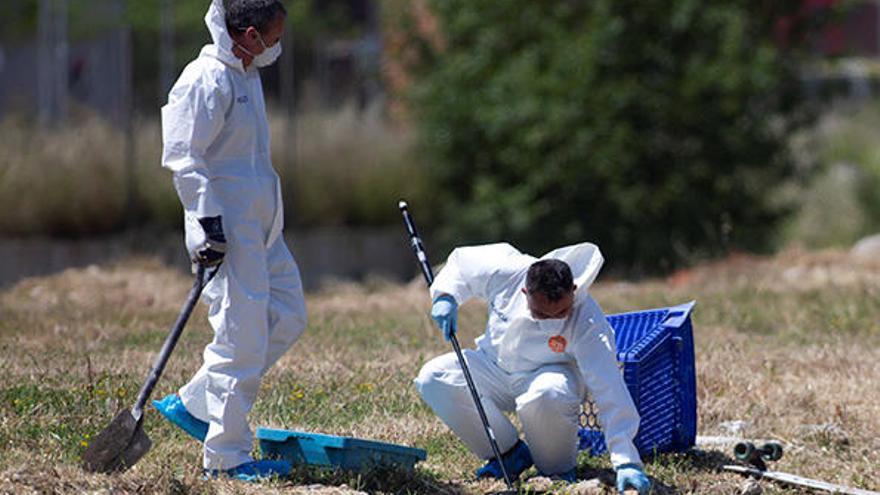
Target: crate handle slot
(678, 314)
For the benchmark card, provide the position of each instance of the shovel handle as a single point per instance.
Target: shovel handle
(201, 281)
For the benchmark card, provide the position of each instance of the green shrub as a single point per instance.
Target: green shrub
(838, 198)
(850, 138)
(655, 128)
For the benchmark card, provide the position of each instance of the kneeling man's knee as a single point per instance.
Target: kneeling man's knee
(438, 373)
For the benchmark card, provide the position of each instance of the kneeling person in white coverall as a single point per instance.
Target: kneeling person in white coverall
(216, 141)
(546, 342)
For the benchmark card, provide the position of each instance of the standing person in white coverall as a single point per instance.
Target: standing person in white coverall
(216, 141)
(546, 341)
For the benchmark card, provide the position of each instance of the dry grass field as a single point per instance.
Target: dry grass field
(345, 169)
(787, 345)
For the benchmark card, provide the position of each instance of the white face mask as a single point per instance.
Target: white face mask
(268, 57)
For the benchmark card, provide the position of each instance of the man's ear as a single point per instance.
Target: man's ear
(574, 287)
(524, 291)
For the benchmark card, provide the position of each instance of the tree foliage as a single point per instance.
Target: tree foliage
(656, 129)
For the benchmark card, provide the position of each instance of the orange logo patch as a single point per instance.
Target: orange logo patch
(557, 343)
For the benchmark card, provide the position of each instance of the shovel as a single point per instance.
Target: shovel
(123, 442)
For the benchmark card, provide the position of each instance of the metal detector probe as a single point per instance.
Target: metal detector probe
(422, 256)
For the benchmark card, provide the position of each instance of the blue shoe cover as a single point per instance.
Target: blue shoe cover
(516, 460)
(569, 476)
(254, 471)
(172, 408)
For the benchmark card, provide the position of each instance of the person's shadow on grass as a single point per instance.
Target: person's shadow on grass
(421, 481)
(378, 480)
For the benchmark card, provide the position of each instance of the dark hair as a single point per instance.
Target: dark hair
(242, 14)
(552, 278)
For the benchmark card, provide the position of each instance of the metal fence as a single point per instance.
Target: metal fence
(118, 57)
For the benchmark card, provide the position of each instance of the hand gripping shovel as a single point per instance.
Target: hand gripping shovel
(123, 442)
(422, 256)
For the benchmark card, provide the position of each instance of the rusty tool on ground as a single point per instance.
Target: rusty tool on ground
(756, 456)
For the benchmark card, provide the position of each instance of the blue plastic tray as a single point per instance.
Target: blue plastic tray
(656, 349)
(331, 451)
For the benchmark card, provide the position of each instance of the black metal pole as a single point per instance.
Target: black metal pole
(171, 341)
(419, 249)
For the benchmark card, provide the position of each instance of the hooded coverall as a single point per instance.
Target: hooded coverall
(216, 142)
(538, 368)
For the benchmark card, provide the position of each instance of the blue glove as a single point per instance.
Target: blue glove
(631, 475)
(445, 313)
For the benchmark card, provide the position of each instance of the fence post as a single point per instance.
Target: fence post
(45, 69)
(166, 49)
(125, 111)
(53, 63)
(288, 98)
(62, 61)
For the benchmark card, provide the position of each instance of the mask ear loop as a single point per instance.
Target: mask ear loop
(248, 52)
(262, 41)
(242, 48)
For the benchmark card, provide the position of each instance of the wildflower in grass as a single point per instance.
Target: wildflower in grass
(83, 443)
(297, 394)
(100, 392)
(366, 387)
(121, 392)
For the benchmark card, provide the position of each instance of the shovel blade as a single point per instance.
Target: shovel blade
(118, 447)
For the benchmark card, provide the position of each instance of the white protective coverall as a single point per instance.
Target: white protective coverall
(538, 368)
(216, 141)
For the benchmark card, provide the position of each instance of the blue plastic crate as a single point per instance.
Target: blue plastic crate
(656, 350)
(352, 454)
